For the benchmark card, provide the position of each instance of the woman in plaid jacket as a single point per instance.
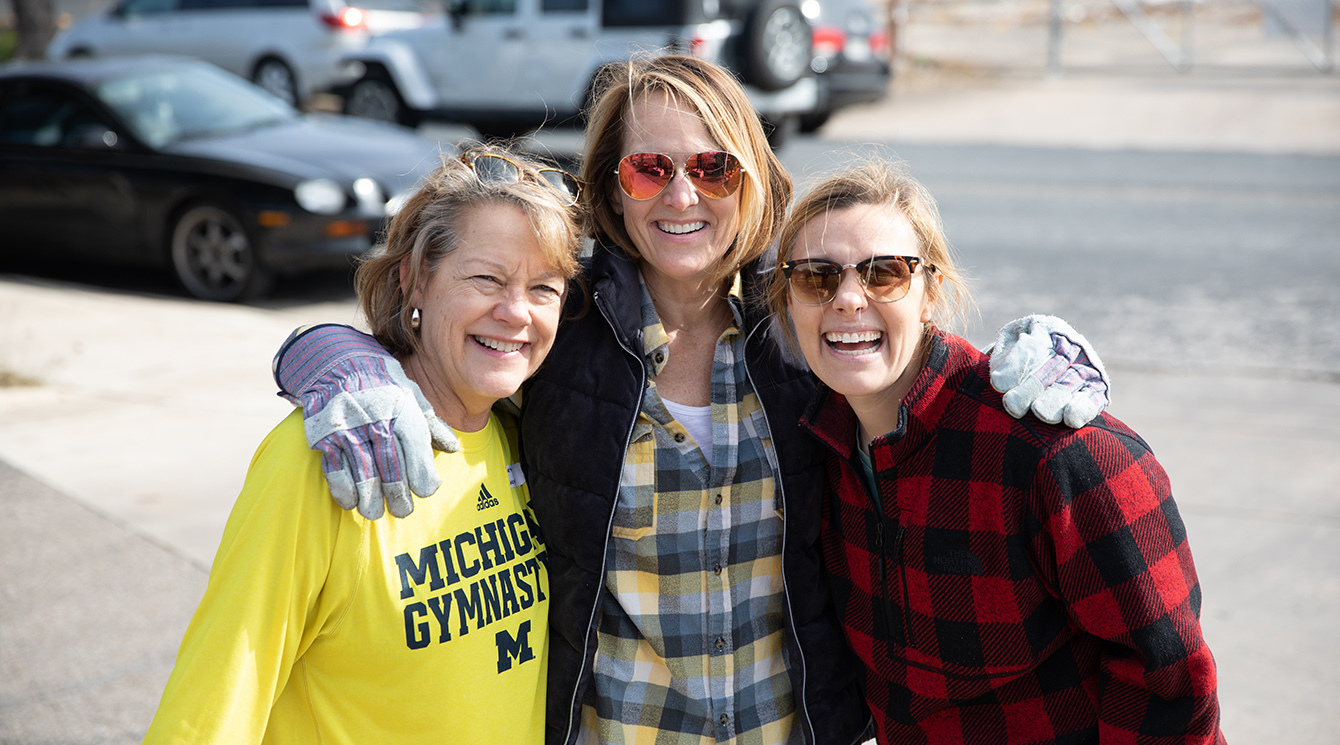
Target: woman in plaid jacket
(1003, 580)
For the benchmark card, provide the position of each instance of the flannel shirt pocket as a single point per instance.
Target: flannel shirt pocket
(635, 509)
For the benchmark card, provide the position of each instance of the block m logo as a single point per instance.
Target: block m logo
(509, 648)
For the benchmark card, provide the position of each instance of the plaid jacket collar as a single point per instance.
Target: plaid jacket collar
(831, 419)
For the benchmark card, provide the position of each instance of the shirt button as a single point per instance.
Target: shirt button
(721, 644)
(724, 719)
(679, 437)
(659, 357)
(718, 499)
(717, 569)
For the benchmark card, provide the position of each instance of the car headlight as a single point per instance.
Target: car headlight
(322, 196)
(370, 196)
(397, 202)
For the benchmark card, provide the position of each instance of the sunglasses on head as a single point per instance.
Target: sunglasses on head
(885, 278)
(644, 175)
(497, 170)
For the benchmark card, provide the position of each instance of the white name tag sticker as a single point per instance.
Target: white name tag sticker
(515, 477)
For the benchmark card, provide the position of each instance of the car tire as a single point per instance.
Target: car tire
(780, 130)
(375, 96)
(777, 45)
(214, 257)
(277, 79)
(811, 122)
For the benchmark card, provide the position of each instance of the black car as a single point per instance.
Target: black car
(852, 50)
(170, 161)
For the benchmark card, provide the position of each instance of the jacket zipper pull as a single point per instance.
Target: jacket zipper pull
(891, 619)
(902, 573)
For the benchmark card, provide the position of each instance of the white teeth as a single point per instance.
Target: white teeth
(852, 337)
(681, 229)
(501, 346)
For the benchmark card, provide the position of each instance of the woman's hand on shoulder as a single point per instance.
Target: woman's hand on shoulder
(373, 426)
(1043, 365)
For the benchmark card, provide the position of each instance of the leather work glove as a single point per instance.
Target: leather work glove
(375, 430)
(1041, 363)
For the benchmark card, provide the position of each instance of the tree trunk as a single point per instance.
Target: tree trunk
(35, 25)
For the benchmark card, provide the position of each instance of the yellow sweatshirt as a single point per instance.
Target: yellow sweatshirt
(321, 626)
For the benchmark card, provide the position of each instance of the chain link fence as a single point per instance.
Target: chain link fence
(1007, 37)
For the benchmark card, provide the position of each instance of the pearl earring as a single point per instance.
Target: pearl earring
(414, 320)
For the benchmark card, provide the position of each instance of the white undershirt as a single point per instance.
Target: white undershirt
(697, 420)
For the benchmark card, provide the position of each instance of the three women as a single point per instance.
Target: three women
(680, 501)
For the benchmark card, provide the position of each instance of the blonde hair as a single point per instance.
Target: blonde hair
(720, 102)
(427, 229)
(878, 182)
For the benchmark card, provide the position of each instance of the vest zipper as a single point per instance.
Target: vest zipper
(609, 526)
(799, 695)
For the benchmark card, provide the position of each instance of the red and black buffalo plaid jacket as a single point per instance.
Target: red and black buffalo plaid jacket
(1012, 582)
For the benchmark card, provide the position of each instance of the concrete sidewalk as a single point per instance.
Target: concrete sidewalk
(118, 470)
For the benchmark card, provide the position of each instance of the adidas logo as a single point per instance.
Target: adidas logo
(486, 500)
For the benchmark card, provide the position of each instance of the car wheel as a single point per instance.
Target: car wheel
(777, 45)
(213, 256)
(374, 96)
(811, 122)
(276, 78)
(780, 130)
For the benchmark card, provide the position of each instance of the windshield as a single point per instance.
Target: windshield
(190, 100)
(643, 13)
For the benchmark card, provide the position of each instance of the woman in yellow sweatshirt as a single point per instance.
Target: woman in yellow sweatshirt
(319, 625)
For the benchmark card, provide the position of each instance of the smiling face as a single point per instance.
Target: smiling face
(680, 233)
(489, 314)
(867, 351)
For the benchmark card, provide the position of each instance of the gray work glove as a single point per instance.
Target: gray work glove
(375, 430)
(1041, 363)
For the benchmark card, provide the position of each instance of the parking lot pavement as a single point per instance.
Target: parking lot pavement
(118, 469)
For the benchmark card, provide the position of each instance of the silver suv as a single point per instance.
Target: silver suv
(291, 48)
(509, 66)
